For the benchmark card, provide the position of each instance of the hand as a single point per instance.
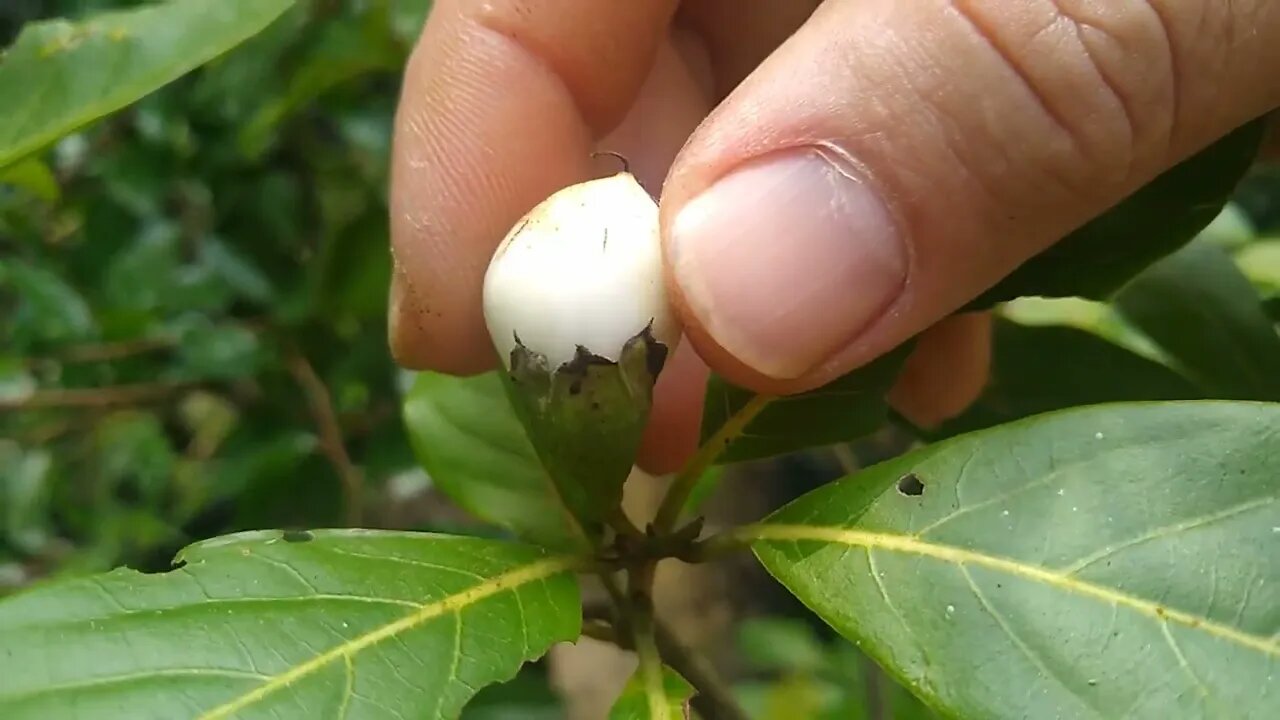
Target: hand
(837, 179)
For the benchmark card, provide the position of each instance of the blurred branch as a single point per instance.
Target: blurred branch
(121, 349)
(714, 701)
(713, 698)
(114, 351)
(96, 397)
(320, 403)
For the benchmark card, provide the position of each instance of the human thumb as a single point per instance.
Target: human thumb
(891, 160)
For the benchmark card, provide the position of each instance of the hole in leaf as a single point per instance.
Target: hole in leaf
(910, 485)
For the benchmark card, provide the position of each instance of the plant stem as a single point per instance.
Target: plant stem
(646, 646)
(714, 700)
(600, 630)
(717, 546)
(622, 524)
(678, 494)
(332, 443)
(100, 397)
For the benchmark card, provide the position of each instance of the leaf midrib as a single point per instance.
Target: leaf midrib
(507, 581)
(962, 556)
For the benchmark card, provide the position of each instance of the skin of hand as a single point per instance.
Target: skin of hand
(835, 177)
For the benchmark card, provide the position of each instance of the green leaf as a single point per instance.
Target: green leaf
(1038, 369)
(33, 176)
(340, 52)
(407, 18)
(1260, 262)
(48, 308)
(25, 479)
(237, 271)
(60, 75)
(223, 352)
(133, 450)
(1162, 216)
(470, 442)
(16, 381)
(703, 489)
(1231, 229)
(528, 697)
(638, 701)
(354, 624)
(1199, 307)
(800, 697)
(1103, 562)
(844, 409)
(774, 643)
(1095, 317)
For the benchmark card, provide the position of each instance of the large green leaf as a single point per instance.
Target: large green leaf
(1038, 369)
(60, 75)
(643, 700)
(846, 408)
(1115, 561)
(353, 624)
(1199, 307)
(1162, 216)
(469, 440)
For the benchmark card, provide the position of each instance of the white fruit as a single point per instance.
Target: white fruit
(583, 268)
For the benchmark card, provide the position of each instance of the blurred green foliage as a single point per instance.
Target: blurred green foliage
(192, 302)
(794, 673)
(193, 333)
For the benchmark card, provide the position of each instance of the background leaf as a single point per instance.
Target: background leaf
(84, 70)
(1163, 215)
(48, 309)
(33, 176)
(1202, 310)
(1101, 562)
(355, 624)
(468, 438)
(799, 676)
(1260, 262)
(634, 702)
(1038, 369)
(846, 408)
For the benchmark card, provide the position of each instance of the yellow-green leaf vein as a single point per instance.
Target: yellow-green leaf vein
(960, 556)
(506, 582)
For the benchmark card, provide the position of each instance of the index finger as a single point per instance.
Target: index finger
(501, 104)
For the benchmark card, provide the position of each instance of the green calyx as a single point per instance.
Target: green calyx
(585, 418)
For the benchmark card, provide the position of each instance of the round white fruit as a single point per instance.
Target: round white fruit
(583, 268)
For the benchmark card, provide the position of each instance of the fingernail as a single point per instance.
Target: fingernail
(787, 259)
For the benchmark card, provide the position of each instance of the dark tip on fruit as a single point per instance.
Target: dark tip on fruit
(626, 164)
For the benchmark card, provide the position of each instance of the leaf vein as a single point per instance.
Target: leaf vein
(1166, 531)
(912, 545)
(1182, 660)
(874, 567)
(109, 680)
(507, 581)
(406, 561)
(349, 686)
(1045, 671)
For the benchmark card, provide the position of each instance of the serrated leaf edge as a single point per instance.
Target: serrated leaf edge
(539, 570)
